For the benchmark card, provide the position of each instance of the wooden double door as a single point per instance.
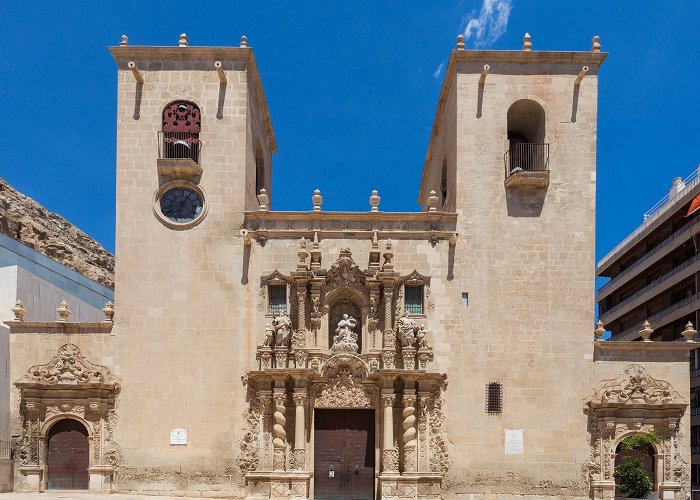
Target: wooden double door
(344, 454)
(68, 456)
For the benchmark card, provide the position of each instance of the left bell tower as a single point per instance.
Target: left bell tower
(194, 147)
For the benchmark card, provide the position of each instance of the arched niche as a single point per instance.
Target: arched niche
(337, 310)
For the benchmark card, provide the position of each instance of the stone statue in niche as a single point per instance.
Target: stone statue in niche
(408, 329)
(345, 339)
(282, 325)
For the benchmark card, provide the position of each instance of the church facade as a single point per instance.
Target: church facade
(259, 354)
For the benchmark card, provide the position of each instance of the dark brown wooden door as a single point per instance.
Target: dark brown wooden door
(344, 455)
(68, 456)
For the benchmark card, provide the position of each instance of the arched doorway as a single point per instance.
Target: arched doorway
(68, 456)
(645, 455)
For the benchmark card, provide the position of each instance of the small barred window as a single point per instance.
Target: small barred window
(413, 299)
(277, 297)
(494, 398)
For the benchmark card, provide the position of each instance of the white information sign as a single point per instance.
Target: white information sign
(514, 442)
(178, 436)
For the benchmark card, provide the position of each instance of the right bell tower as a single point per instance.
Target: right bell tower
(513, 152)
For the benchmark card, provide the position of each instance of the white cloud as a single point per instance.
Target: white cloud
(438, 71)
(492, 21)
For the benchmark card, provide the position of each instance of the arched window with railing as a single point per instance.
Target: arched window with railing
(527, 149)
(179, 136)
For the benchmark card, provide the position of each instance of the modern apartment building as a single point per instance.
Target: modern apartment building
(654, 276)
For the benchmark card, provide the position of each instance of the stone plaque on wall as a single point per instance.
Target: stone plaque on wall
(514, 442)
(178, 436)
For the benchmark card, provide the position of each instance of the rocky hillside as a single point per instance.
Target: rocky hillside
(26, 221)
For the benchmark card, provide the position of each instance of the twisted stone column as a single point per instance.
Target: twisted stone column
(409, 432)
(300, 400)
(279, 440)
(390, 455)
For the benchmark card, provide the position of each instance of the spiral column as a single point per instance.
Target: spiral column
(409, 432)
(279, 439)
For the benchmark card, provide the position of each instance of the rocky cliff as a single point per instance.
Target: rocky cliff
(26, 221)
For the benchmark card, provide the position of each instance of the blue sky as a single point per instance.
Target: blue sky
(351, 90)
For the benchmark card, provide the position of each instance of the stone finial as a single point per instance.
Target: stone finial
(689, 332)
(184, 41)
(108, 311)
(63, 311)
(599, 331)
(263, 200)
(432, 201)
(374, 201)
(595, 44)
(124, 42)
(460, 42)
(527, 42)
(244, 42)
(646, 332)
(303, 254)
(317, 199)
(315, 253)
(388, 257)
(19, 311)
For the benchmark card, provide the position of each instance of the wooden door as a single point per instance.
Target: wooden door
(344, 455)
(68, 456)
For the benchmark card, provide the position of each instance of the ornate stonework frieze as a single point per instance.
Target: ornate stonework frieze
(634, 386)
(69, 366)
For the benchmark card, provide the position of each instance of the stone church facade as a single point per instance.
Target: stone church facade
(254, 353)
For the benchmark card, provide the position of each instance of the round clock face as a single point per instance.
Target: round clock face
(181, 205)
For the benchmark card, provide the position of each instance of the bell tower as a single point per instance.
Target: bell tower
(194, 147)
(513, 152)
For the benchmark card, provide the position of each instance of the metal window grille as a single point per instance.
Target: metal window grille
(494, 398)
(413, 299)
(277, 297)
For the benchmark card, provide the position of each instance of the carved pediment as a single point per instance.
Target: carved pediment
(345, 272)
(275, 278)
(634, 387)
(415, 278)
(343, 386)
(69, 368)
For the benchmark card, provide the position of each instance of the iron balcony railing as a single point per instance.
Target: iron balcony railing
(648, 255)
(526, 157)
(659, 315)
(179, 145)
(658, 281)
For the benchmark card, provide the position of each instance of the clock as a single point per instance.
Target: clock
(180, 204)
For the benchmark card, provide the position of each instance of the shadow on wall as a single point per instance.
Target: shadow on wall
(525, 203)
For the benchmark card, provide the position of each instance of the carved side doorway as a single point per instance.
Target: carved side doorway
(344, 454)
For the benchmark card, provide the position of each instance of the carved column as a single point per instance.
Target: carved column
(301, 398)
(279, 440)
(301, 323)
(390, 455)
(409, 430)
(423, 430)
(265, 398)
(389, 351)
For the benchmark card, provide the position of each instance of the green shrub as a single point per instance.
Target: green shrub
(641, 441)
(632, 478)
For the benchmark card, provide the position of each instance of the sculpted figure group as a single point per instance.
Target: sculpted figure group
(410, 333)
(279, 333)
